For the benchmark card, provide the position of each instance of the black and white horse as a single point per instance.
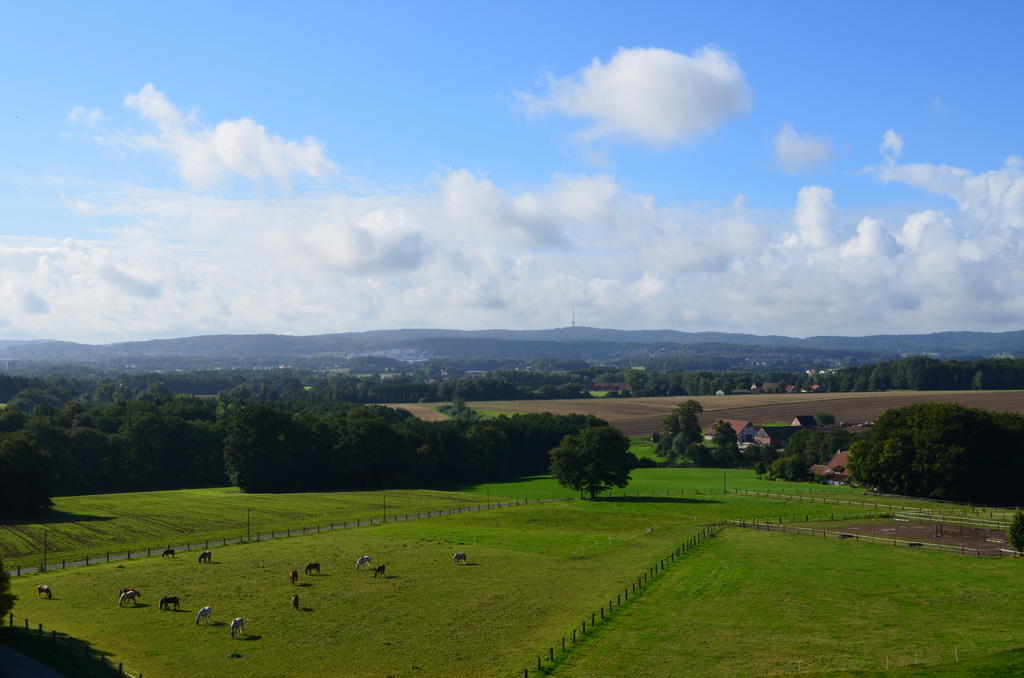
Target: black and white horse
(459, 557)
(364, 561)
(43, 589)
(206, 557)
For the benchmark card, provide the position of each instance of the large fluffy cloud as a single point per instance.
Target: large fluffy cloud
(658, 96)
(205, 156)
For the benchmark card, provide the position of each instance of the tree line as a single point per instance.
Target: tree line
(185, 441)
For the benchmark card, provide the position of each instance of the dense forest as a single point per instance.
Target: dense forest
(184, 441)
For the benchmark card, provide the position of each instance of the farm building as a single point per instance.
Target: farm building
(775, 437)
(745, 430)
(804, 421)
(834, 472)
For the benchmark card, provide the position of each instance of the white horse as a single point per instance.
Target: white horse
(364, 561)
(204, 615)
(237, 627)
(459, 557)
(128, 597)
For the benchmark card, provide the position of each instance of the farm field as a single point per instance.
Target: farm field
(533, 569)
(93, 524)
(642, 416)
(759, 603)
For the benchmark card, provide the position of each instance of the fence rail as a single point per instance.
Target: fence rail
(205, 544)
(75, 649)
(1005, 514)
(823, 533)
(545, 661)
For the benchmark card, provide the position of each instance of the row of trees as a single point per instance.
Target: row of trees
(184, 441)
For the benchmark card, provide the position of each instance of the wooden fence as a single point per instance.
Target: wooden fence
(545, 660)
(74, 649)
(206, 544)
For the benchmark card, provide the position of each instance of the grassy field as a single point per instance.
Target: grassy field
(93, 524)
(766, 604)
(532, 570)
(744, 603)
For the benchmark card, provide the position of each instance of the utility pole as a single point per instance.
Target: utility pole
(248, 526)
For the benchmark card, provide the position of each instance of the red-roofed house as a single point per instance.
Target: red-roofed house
(834, 472)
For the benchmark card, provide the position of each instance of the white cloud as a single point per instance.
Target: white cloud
(892, 146)
(80, 115)
(814, 217)
(206, 156)
(795, 152)
(871, 240)
(654, 95)
(995, 197)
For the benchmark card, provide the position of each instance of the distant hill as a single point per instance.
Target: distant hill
(589, 343)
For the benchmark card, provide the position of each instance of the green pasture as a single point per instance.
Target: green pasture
(759, 603)
(533, 570)
(94, 524)
(643, 448)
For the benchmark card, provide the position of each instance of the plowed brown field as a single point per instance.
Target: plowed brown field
(641, 416)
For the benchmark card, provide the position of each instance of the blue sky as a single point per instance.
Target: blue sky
(791, 168)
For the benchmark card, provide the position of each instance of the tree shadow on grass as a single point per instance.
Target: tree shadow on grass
(53, 516)
(658, 500)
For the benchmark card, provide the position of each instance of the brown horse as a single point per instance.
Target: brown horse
(206, 557)
(379, 571)
(167, 552)
(295, 601)
(43, 589)
(167, 601)
(293, 576)
(313, 567)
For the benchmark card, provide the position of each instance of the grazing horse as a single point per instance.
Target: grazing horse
(204, 615)
(313, 567)
(167, 601)
(460, 557)
(167, 552)
(129, 596)
(206, 557)
(237, 627)
(363, 560)
(293, 576)
(378, 571)
(43, 588)
(295, 601)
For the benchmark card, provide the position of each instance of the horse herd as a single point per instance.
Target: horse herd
(205, 614)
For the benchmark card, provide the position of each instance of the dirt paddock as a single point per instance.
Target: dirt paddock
(945, 533)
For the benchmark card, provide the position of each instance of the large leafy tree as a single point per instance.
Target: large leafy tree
(593, 460)
(26, 477)
(727, 452)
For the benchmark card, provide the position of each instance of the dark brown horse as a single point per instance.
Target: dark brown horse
(167, 601)
(206, 557)
(293, 576)
(313, 567)
(167, 552)
(43, 589)
(378, 571)
(295, 601)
